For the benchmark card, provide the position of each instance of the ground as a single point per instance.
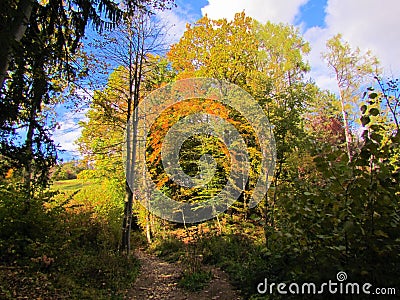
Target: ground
(159, 280)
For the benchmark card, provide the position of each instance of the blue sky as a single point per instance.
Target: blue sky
(368, 24)
(312, 14)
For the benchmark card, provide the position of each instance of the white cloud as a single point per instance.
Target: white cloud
(69, 131)
(263, 10)
(323, 77)
(175, 21)
(368, 24)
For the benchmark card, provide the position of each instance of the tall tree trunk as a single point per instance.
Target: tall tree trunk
(127, 221)
(39, 89)
(11, 33)
(146, 195)
(148, 228)
(130, 173)
(348, 136)
(27, 172)
(135, 76)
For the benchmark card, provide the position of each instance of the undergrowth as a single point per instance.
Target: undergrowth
(61, 249)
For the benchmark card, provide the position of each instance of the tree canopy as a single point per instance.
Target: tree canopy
(331, 199)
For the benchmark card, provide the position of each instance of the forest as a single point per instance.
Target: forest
(276, 183)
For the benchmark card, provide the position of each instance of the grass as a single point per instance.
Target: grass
(195, 281)
(71, 184)
(170, 250)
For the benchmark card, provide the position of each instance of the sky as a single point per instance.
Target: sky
(368, 24)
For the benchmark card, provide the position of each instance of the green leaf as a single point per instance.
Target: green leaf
(374, 112)
(339, 248)
(381, 233)
(365, 120)
(363, 109)
(376, 137)
(376, 127)
(373, 95)
(365, 153)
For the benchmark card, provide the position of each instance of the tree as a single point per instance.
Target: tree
(324, 120)
(101, 140)
(217, 49)
(131, 45)
(280, 55)
(225, 50)
(139, 73)
(390, 95)
(264, 59)
(352, 70)
(278, 85)
(37, 61)
(67, 22)
(66, 170)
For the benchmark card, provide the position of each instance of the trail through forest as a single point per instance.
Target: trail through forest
(159, 279)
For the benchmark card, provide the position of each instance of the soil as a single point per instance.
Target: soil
(159, 280)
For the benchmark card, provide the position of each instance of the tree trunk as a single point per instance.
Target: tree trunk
(27, 172)
(127, 222)
(128, 204)
(349, 138)
(11, 33)
(146, 195)
(130, 173)
(148, 228)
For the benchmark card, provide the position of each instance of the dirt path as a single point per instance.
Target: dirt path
(159, 280)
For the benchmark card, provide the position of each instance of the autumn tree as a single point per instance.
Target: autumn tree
(102, 138)
(217, 49)
(352, 69)
(265, 60)
(130, 46)
(324, 120)
(37, 61)
(281, 51)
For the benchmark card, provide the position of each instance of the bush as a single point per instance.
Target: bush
(195, 281)
(87, 174)
(59, 250)
(66, 171)
(170, 249)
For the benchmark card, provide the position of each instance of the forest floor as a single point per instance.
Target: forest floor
(159, 279)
